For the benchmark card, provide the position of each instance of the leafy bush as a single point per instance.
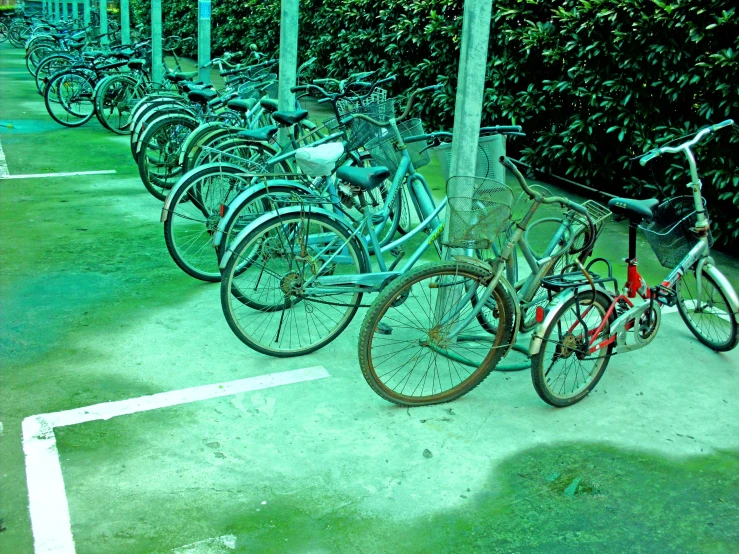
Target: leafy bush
(593, 82)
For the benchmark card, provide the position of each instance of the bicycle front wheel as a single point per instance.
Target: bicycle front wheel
(710, 320)
(403, 351)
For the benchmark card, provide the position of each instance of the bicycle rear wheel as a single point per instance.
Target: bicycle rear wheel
(263, 290)
(160, 153)
(114, 101)
(402, 349)
(69, 98)
(194, 213)
(564, 371)
(712, 321)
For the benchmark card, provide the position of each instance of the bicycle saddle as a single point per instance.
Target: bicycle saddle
(136, 64)
(179, 76)
(262, 134)
(289, 118)
(634, 210)
(269, 104)
(242, 106)
(366, 178)
(202, 96)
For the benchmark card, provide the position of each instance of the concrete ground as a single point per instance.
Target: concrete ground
(94, 310)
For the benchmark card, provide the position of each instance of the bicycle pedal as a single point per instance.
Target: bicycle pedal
(663, 295)
(384, 329)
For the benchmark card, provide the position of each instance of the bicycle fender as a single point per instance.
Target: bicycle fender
(723, 282)
(196, 135)
(245, 197)
(186, 177)
(141, 132)
(283, 212)
(517, 320)
(552, 311)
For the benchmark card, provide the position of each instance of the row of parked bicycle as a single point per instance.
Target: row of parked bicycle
(299, 221)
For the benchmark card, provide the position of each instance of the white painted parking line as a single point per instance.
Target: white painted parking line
(3, 164)
(68, 174)
(47, 499)
(5, 174)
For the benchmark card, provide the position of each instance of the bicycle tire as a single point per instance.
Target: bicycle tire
(186, 242)
(113, 102)
(279, 332)
(564, 349)
(682, 288)
(178, 124)
(398, 294)
(84, 89)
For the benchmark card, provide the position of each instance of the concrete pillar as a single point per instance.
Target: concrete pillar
(75, 9)
(288, 59)
(125, 22)
(86, 11)
(65, 15)
(473, 57)
(204, 9)
(156, 41)
(103, 20)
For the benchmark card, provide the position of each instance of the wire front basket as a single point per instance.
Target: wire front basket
(384, 151)
(477, 212)
(351, 105)
(671, 233)
(485, 165)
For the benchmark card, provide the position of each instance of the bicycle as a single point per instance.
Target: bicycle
(437, 332)
(295, 277)
(586, 322)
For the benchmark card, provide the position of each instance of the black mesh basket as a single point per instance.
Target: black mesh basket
(383, 148)
(671, 233)
(477, 212)
(360, 131)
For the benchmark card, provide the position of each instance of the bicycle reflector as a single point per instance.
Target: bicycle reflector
(540, 313)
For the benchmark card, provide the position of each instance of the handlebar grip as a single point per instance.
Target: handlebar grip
(430, 88)
(504, 129)
(649, 156)
(299, 88)
(721, 125)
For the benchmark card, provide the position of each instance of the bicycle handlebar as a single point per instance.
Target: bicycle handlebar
(643, 160)
(565, 202)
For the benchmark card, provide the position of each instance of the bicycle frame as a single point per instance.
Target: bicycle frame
(372, 281)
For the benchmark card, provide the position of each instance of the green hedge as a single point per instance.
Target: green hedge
(594, 82)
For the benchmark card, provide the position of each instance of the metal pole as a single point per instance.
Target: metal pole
(86, 11)
(125, 22)
(288, 59)
(103, 20)
(54, 11)
(204, 8)
(156, 41)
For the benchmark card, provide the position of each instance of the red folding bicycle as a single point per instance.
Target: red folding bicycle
(585, 322)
